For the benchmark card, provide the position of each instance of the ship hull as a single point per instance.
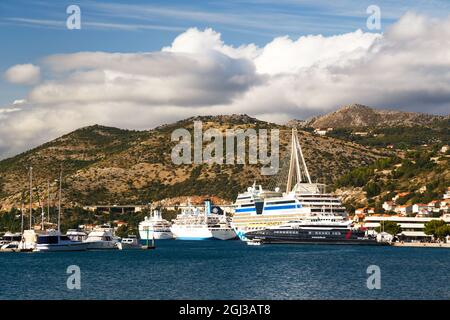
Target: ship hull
(181, 233)
(158, 235)
(311, 236)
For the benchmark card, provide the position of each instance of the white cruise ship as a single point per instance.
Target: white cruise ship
(258, 209)
(155, 227)
(193, 224)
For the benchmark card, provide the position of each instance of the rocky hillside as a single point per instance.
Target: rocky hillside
(357, 115)
(104, 165)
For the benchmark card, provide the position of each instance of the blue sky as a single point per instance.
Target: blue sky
(31, 30)
(275, 60)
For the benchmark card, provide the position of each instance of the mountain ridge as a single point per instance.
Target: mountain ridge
(358, 115)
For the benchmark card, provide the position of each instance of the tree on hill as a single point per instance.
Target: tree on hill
(437, 228)
(390, 227)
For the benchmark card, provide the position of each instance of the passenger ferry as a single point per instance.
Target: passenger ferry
(155, 227)
(192, 224)
(316, 229)
(258, 209)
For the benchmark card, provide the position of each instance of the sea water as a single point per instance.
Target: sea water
(229, 270)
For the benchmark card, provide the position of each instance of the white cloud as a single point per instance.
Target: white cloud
(408, 67)
(23, 74)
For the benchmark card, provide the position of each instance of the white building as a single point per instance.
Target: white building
(412, 227)
(420, 207)
(389, 206)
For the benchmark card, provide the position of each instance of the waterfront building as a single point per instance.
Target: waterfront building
(412, 227)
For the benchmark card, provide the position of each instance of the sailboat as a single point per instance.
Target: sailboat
(53, 240)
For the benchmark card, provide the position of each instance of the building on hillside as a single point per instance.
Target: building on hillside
(389, 206)
(400, 195)
(412, 227)
(447, 194)
(322, 132)
(361, 211)
(419, 207)
(403, 210)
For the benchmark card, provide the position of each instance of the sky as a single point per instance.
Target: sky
(137, 64)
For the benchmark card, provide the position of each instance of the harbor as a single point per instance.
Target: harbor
(229, 270)
(304, 213)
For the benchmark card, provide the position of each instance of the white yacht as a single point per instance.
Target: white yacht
(52, 240)
(129, 243)
(193, 224)
(9, 237)
(258, 209)
(155, 227)
(76, 235)
(102, 237)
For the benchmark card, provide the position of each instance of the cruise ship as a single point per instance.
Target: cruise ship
(155, 227)
(316, 229)
(193, 224)
(258, 209)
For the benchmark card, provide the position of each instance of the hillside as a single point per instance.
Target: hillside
(356, 115)
(104, 165)
(423, 175)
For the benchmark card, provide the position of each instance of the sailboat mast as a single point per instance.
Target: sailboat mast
(59, 201)
(48, 200)
(21, 213)
(31, 195)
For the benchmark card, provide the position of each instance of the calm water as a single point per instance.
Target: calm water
(229, 270)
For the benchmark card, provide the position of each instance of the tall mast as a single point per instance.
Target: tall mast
(59, 200)
(21, 213)
(48, 200)
(31, 195)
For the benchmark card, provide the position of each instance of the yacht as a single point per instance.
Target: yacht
(53, 240)
(129, 243)
(315, 229)
(76, 235)
(155, 227)
(9, 237)
(102, 237)
(258, 209)
(193, 224)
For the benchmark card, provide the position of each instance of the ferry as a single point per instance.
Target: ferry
(155, 227)
(192, 224)
(258, 209)
(317, 229)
